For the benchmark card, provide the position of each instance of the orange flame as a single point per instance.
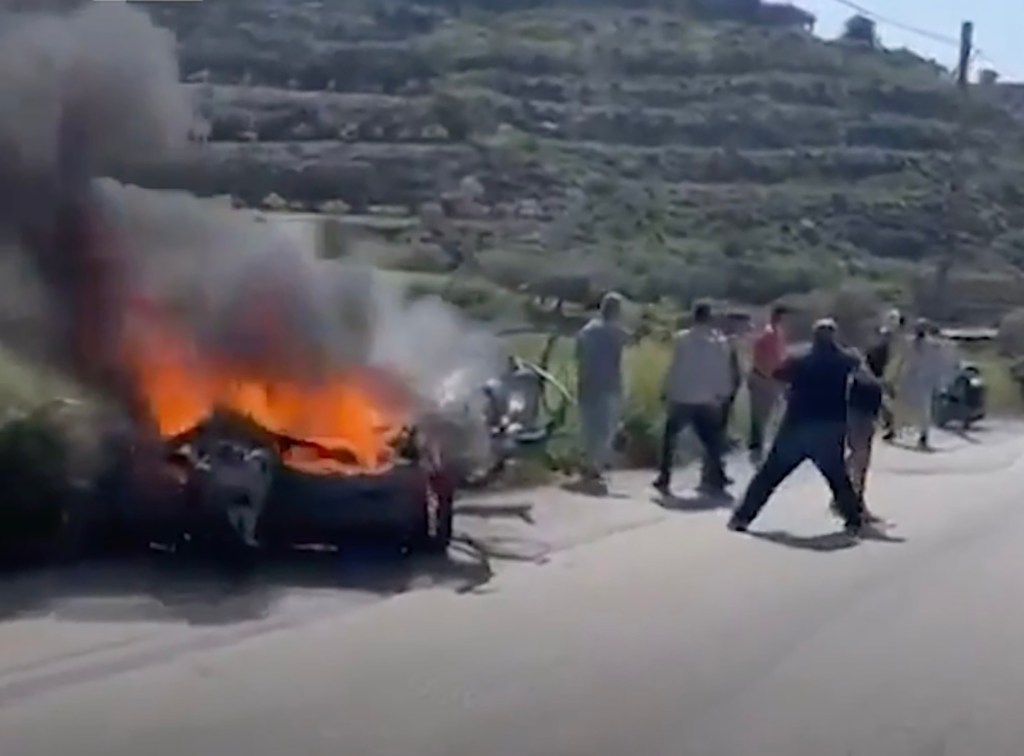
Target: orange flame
(344, 425)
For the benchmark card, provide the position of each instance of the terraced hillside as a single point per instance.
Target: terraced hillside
(692, 148)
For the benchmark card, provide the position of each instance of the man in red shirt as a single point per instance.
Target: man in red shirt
(768, 354)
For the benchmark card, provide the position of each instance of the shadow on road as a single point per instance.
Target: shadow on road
(825, 542)
(693, 502)
(158, 587)
(968, 436)
(518, 511)
(592, 489)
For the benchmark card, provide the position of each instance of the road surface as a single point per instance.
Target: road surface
(597, 627)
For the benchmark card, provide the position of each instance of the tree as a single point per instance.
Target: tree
(860, 30)
(453, 114)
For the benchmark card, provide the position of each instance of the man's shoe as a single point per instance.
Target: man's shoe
(737, 526)
(662, 486)
(713, 491)
(889, 436)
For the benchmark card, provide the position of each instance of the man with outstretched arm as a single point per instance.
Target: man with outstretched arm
(814, 427)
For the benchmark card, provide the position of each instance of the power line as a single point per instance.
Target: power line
(924, 33)
(868, 13)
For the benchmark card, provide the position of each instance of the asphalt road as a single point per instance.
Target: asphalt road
(566, 625)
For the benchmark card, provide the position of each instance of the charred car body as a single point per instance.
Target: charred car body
(226, 487)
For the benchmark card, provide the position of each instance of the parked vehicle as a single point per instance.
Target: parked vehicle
(964, 401)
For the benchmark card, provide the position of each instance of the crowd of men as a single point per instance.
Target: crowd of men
(825, 402)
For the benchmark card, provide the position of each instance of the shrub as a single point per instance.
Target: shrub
(453, 113)
(39, 468)
(1011, 333)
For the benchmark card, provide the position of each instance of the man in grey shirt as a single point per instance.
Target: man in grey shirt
(599, 347)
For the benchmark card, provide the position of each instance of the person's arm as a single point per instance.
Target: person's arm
(859, 368)
(735, 370)
(784, 372)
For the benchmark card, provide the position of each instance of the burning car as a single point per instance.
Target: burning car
(254, 459)
(229, 487)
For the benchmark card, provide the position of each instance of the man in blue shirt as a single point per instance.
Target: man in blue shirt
(813, 427)
(866, 402)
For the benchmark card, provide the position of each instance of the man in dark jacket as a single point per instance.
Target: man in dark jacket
(813, 427)
(878, 357)
(865, 403)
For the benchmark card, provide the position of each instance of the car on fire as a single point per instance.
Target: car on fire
(226, 488)
(230, 487)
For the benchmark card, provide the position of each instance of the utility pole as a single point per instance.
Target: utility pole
(957, 178)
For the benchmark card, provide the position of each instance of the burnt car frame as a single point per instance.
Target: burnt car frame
(232, 493)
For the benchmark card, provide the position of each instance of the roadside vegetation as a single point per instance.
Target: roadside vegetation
(671, 150)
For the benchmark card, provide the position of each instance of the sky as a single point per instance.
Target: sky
(998, 28)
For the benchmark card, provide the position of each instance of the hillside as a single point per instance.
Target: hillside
(673, 149)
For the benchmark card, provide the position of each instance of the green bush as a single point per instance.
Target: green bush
(35, 476)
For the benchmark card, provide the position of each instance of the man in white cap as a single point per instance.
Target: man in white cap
(599, 347)
(813, 428)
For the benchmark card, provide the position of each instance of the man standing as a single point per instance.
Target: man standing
(697, 384)
(924, 369)
(878, 357)
(735, 324)
(769, 352)
(599, 347)
(813, 427)
(865, 404)
(733, 330)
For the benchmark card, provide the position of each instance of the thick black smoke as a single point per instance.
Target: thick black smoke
(93, 90)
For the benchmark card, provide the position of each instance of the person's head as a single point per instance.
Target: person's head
(895, 320)
(702, 314)
(824, 334)
(778, 315)
(611, 307)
